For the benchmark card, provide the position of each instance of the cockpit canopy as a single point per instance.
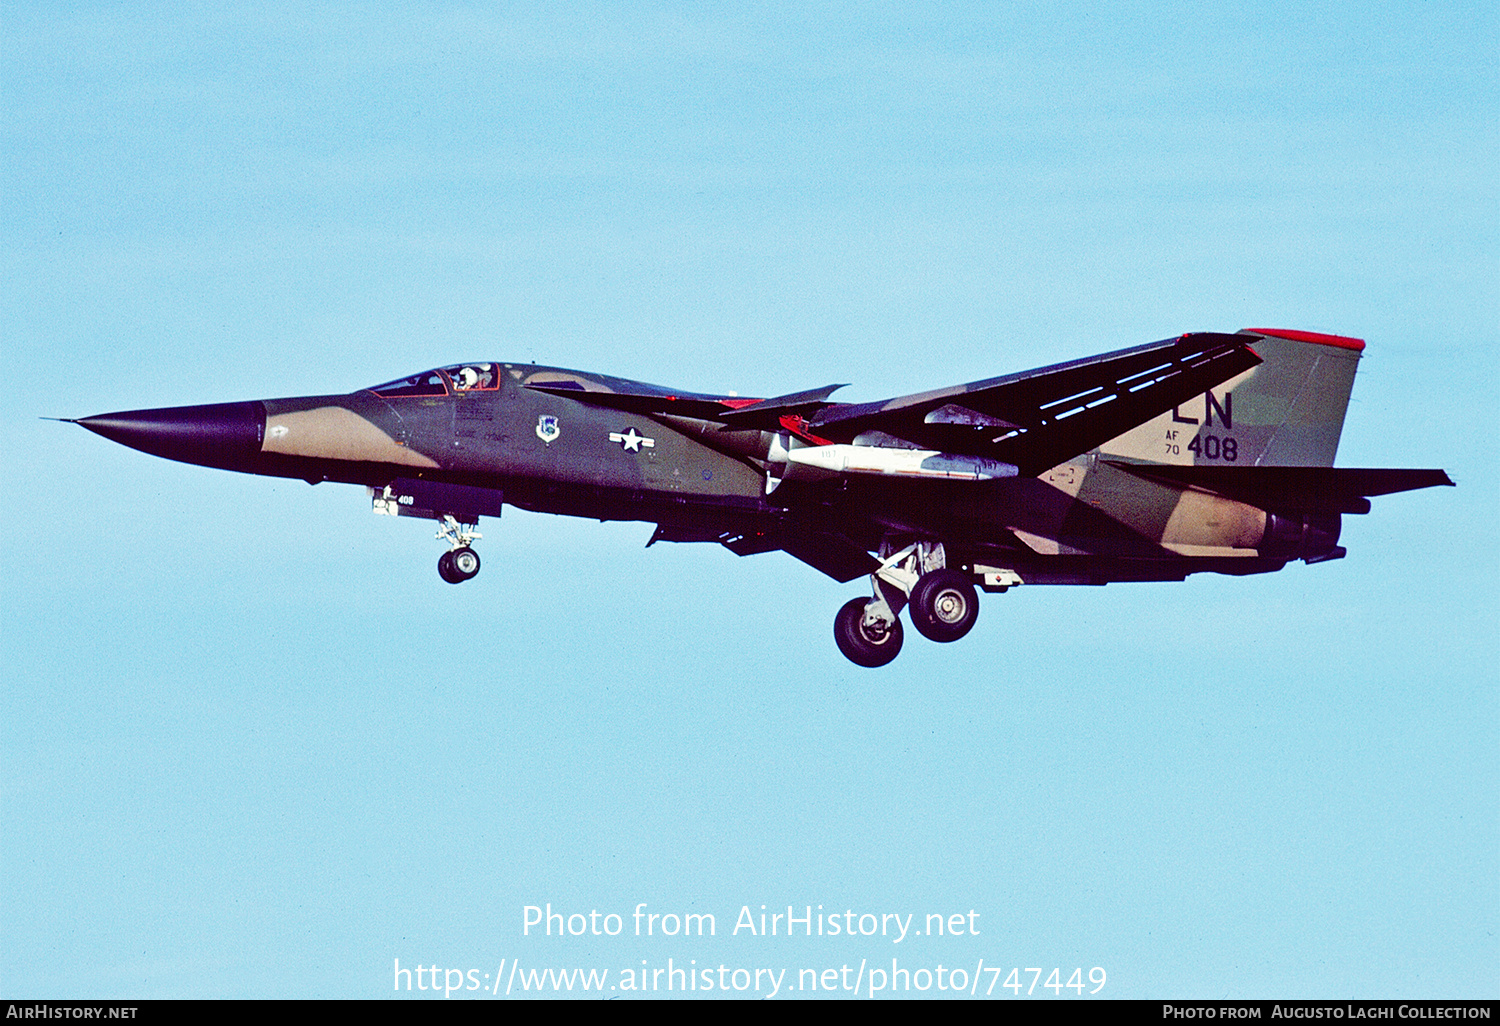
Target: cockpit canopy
(461, 377)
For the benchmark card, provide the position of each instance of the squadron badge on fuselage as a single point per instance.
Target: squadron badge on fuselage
(547, 428)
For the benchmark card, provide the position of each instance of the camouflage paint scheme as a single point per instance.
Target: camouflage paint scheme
(1207, 452)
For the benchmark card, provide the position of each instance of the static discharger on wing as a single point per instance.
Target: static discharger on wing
(1206, 452)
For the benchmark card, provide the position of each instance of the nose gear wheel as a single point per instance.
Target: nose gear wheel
(459, 565)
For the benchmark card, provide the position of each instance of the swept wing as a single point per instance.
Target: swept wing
(1040, 418)
(1032, 420)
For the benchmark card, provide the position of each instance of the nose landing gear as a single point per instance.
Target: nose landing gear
(458, 566)
(460, 562)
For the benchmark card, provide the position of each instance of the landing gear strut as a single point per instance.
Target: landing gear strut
(460, 562)
(944, 604)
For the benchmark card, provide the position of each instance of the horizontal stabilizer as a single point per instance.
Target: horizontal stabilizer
(1299, 489)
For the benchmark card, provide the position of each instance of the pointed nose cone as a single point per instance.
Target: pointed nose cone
(224, 435)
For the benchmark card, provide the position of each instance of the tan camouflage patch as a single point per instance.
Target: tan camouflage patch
(1207, 522)
(334, 433)
(551, 377)
(1164, 439)
(1066, 478)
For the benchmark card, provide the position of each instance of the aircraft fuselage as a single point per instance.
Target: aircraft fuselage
(1136, 465)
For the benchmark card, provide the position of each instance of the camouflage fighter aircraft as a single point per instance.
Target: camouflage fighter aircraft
(1207, 452)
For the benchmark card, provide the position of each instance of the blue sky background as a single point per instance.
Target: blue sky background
(252, 745)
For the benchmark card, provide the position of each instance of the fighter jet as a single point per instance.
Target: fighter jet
(1202, 453)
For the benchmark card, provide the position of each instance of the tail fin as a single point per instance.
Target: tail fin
(1287, 412)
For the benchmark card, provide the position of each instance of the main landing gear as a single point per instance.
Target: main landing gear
(864, 636)
(460, 562)
(944, 605)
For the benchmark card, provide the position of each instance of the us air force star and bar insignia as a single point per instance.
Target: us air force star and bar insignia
(547, 428)
(631, 441)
